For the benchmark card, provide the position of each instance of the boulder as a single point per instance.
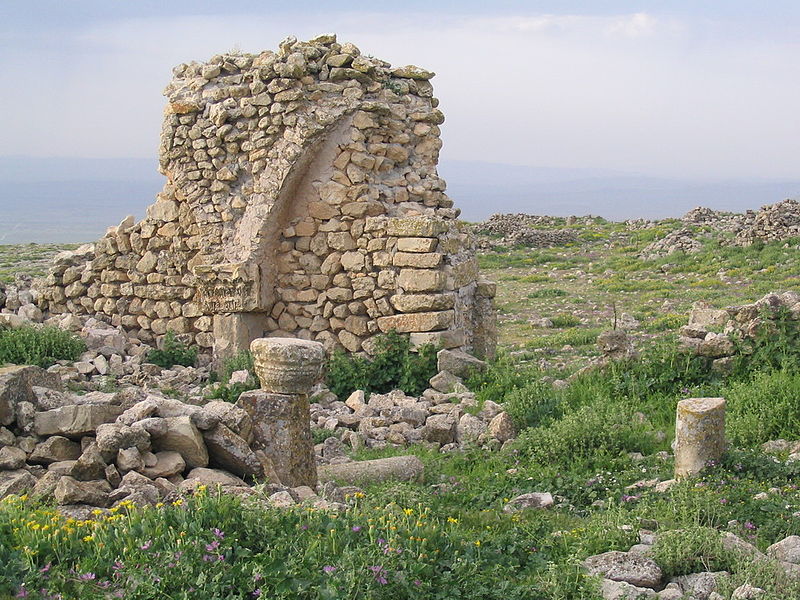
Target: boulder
(11, 458)
(168, 463)
(16, 482)
(619, 590)
(183, 437)
(501, 427)
(16, 384)
(55, 449)
(440, 429)
(621, 566)
(71, 491)
(787, 550)
(469, 428)
(210, 478)
(701, 585)
(532, 500)
(90, 465)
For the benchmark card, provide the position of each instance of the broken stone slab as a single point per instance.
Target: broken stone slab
(621, 566)
(183, 437)
(230, 452)
(440, 429)
(701, 585)
(74, 421)
(458, 363)
(699, 434)
(16, 384)
(287, 365)
(16, 482)
(403, 468)
(90, 465)
(446, 383)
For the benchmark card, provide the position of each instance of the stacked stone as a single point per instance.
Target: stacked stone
(682, 240)
(776, 222)
(278, 166)
(526, 230)
(711, 332)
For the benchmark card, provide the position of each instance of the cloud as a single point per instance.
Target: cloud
(634, 91)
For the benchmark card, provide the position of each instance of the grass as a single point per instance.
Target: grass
(588, 444)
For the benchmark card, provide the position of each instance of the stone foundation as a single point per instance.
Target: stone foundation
(302, 200)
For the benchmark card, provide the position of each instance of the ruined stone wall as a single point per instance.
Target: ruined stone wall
(302, 199)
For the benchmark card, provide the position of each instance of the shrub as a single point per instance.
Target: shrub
(764, 408)
(586, 433)
(40, 346)
(691, 550)
(230, 392)
(172, 352)
(565, 320)
(394, 366)
(548, 293)
(532, 405)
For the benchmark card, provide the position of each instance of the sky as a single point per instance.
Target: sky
(692, 89)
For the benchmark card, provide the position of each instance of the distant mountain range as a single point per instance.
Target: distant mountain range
(75, 200)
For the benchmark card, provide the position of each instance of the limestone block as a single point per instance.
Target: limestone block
(428, 260)
(501, 427)
(531, 500)
(55, 449)
(416, 244)
(230, 452)
(72, 491)
(183, 437)
(403, 468)
(76, 420)
(421, 280)
(620, 566)
(11, 458)
(442, 339)
(417, 322)
(168, 463)
(353, 261)
(699, 434)
(415, 227)
(16, 385)
(458, 363)
(16, 482)
(412, 303)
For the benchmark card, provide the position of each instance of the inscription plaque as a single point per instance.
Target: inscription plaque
(228, 288)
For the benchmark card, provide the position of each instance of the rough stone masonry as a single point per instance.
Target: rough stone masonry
(302, 200)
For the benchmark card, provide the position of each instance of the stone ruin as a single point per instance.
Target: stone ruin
(302, 200)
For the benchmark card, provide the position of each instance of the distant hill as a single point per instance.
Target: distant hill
(75, 200)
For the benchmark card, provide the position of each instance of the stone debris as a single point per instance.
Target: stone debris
(682, 240)
(523, 230)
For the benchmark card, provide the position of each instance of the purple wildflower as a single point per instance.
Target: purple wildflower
(379, 573)
(207, 557)
(381, 542)
(417, 582)
(328, 569)
(87, 576)
(45, 568)
(256, 592)
(212, 546)
(218, 533)
(749, 525)
(356, 528)
(146, 545)
(22, 593)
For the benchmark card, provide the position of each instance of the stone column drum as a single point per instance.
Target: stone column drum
(287, 368)
(699, 434)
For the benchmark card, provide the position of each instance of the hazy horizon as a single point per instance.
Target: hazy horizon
(75, 200)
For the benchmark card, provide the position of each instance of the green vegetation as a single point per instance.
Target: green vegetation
(40, 346)
(230, 392)
(172, 352)
(394, 366)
